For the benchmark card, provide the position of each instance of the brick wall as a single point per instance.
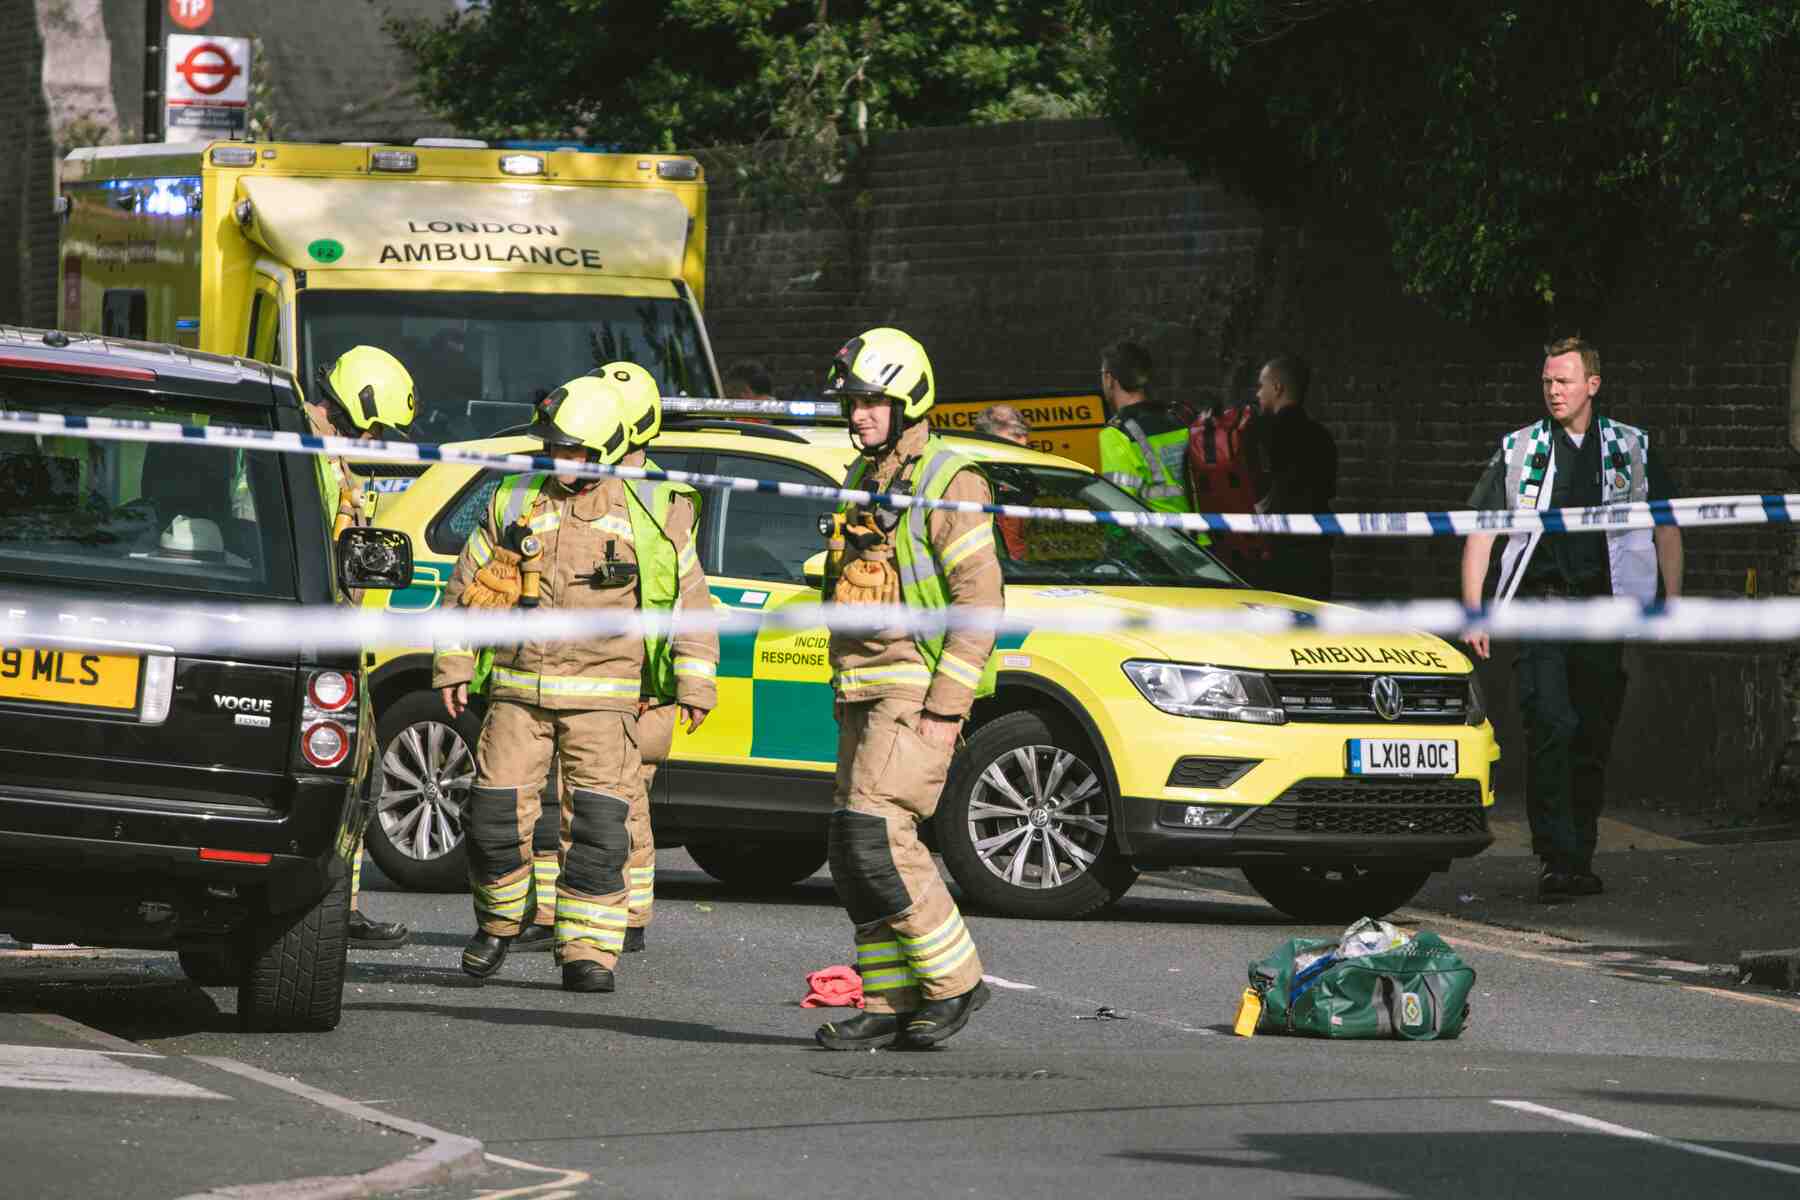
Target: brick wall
(27, 185)
(1015, 252)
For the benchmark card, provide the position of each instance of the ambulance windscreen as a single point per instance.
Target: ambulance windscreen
(481, 361)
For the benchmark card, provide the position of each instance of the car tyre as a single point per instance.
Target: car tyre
(416, 835)
(1060, 865)
(759, 866)
(1335, 894)
(213, 966)
(295, 976)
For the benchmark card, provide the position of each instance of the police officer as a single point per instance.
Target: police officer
(1143, 447)
(676, 508)
(559, 540)
(366, 394)
(902, 698)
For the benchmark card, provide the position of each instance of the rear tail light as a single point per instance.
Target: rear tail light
(325, 743)
(328, 715)
(331, 690)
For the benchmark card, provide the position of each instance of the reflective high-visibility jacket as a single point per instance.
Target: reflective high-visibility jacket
(1143, 450)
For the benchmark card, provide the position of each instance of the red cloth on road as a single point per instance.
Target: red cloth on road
(834, 987)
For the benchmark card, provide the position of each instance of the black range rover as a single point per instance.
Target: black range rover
(151, 797)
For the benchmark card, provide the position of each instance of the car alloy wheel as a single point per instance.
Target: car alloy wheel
(426, 776)
(1038, 817)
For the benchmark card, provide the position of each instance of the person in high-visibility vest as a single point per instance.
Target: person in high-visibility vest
(366, 394)
(1143, 447)
(901, 699)
(676, 508)
(559, 540)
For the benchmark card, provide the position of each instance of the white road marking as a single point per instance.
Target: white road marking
(555, 1189)
(1007, 983)
(48, 1069)
(1598, 1126)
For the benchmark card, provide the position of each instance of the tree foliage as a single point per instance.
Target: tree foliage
(1516, 152)
(691, 74)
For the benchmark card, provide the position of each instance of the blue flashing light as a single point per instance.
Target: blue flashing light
(186, 324)
(523, 144)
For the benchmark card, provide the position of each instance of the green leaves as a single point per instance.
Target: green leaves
(1515, 153)
(696, 74)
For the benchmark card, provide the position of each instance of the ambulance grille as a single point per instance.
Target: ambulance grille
(1328, 696)
(1427, 808)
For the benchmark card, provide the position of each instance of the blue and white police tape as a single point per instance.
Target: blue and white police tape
(1704, 511)
(70, 620)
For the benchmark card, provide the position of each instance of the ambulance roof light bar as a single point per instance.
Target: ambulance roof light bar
(719, 406)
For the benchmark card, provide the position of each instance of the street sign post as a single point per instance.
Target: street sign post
(207, 87)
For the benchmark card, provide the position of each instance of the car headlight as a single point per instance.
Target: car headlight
(1477, 703)
(1215, 693)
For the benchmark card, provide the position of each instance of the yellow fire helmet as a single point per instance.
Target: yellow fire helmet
(643, 401)
(884, 362)
(369, 386)
(587, 412)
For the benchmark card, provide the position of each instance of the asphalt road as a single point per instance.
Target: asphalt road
(699, 1077)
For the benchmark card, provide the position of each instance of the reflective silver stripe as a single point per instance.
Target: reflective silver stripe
(617, 526)
(1160, 492)
(1124, 479)
(1151, 458)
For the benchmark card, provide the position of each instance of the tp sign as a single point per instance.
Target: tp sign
(207, 92)
(190, 14)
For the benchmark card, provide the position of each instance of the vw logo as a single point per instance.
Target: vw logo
(1385, 694)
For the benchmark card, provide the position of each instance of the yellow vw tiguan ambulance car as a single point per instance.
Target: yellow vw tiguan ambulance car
(1337, 771)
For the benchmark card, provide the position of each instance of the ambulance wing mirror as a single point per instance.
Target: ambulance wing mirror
(374, 558)
(814, 569)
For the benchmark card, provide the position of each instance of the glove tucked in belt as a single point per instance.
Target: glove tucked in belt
(495, 585)
(869, 581)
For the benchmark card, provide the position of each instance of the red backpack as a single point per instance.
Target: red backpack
(1225, 475)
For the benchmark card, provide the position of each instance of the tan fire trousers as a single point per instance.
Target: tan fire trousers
(911, 943)
(603, 781)
(656, 736)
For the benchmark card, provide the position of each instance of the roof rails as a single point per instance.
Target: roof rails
(747, 428)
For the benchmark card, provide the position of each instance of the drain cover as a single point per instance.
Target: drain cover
(918, 1073)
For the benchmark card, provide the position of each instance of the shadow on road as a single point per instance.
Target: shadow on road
(1428, 1165)
(645, 1027)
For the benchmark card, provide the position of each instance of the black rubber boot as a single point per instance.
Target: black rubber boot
(484, 954)
(940, 1019)
(375, 935)
(634, 940)
(1586, 883)
(1553, 886)
(864, 1031)
(586, 977)
(535, 937)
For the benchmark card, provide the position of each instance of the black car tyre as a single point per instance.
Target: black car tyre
(213, 966)
(1025, 823)
(758, 866)
(427, 763)
(1334, 894)
(295, 975)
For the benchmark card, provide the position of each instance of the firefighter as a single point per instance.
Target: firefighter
(676, 508)
(901, 698)
(367, 395)
(558, 540)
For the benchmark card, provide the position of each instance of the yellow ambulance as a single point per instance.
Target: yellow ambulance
(493, 274)
(1338, 771)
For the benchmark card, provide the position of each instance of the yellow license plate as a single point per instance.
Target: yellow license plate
(75, 677)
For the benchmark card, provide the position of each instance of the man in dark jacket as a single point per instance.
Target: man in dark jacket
(1301, 470)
